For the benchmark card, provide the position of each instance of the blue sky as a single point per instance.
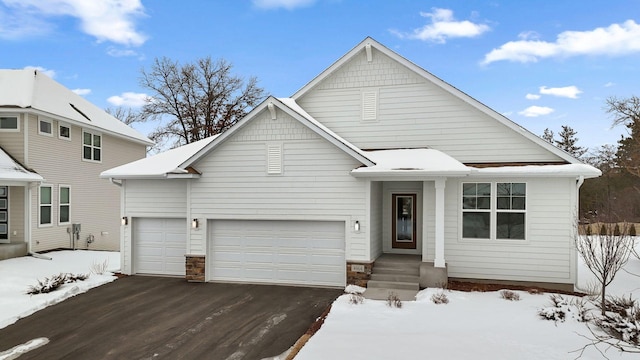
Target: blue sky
(540, 63)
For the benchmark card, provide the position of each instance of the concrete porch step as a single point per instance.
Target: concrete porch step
(396, 277)
(384, 294)
(396, 285)
(391, 260)
(410, 269)
(13, 250)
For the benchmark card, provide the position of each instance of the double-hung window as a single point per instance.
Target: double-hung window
(64, 204)
(45, 204)
(91, 146)
(494, 210)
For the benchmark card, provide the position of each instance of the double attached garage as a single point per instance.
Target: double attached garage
(254, 251)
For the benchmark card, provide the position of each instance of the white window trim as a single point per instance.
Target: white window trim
(48, 121)
(60, 124)
(92, 147)
(493, 217)
(17, 116)
(40, 224)
(60, 203)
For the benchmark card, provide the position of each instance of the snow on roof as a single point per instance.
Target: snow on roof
(562, 170)
(160, 165)
(33, 89)
(424, 162)
(11, 170)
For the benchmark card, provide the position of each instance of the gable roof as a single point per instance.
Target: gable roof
(370, 42)
(290, 107)
(159, 166)
(31, 89)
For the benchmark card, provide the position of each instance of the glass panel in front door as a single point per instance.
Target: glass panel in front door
(404, 219)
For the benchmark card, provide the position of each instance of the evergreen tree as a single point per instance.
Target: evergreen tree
(568, 140)
(627, 112)
(548, 136)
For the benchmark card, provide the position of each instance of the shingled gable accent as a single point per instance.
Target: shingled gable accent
(290, 107)
(438, 82)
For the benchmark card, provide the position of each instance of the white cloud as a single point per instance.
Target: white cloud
(442, 27)
(570, 92)
(286, 4)
(615, 40)
(532, 96)
(535, 111)
(82, 92)
(50, 73)
(609, 84)
(128, 99)
(106, 20)
(121, 52)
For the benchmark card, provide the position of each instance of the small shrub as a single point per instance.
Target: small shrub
(632, 230)
(582, 311)
(509, 295)
(616, 230)
(99, 268)
(440, 298)
(622, 320)
(356, 299)
(587, 230)
(603, 230)
(394, 301)
(54, 282)
(535, 291)
(558, 309)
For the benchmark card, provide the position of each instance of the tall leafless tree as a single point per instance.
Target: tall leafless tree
(626, 112)
(195, 100)
(125, 114)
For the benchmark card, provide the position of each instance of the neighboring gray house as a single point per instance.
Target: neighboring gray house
(374, 156)
(53, 146)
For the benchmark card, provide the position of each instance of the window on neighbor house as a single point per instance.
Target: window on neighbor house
(494, 211)
(9, 123)
(64, 132)
(45, 204)
(64, 204)
(45, 128)
(91, 146)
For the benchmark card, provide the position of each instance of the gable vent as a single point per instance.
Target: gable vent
(370, 105)
(274, 158)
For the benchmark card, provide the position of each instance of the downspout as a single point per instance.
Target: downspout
(114, 182)
(577, 230)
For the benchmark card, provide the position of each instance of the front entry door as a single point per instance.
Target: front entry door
(403, 223)
(4, 214)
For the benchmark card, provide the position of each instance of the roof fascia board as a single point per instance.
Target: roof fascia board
(441, 83)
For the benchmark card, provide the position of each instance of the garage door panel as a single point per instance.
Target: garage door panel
(159, 246)
(289, 252)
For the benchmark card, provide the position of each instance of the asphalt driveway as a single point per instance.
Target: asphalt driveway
(167, 318)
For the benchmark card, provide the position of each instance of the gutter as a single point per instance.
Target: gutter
(114, 182)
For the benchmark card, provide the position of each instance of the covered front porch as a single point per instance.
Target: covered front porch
(16, 186)
(407, 216)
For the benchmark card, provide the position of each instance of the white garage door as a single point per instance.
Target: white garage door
(159, 246)
(287, 252)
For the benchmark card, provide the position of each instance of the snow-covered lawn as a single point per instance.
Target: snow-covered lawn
(16, 275)
(472, 325)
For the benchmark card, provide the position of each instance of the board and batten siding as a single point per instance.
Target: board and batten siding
(95, 202)
(161, 198)
(547, 254)
(315, 183)
(412, 112)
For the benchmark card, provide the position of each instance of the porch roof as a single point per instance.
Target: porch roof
(411, 162)
(12, 171)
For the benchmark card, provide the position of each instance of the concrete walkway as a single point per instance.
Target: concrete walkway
(167, 318)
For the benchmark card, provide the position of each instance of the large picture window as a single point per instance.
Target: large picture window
(494, 211)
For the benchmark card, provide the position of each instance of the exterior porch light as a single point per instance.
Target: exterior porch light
(356, 226)
(194, 223)
(124, 221)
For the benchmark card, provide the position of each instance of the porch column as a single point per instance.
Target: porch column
(425, 235)
(438, 261)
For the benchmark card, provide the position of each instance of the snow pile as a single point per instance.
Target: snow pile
(19, 274)
(16, 351)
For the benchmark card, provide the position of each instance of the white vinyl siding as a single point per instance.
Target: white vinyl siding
(95, 202)
(546, 256)
(316, 185)
(413, 113)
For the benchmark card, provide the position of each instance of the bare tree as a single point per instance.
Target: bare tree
(604, 255)
(626, 112)
(195, 100)
(125, 114)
